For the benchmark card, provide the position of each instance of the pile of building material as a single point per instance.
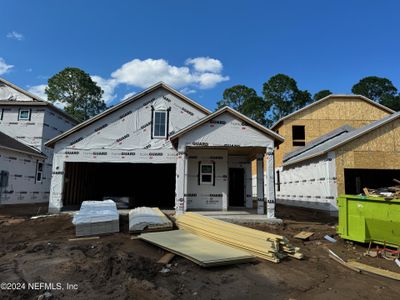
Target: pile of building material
(261, 244)
(96, 217)
(391, 192)
(201, 251)
(148, 219)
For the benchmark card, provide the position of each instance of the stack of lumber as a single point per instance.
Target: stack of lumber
(261, 244)
(200, 250)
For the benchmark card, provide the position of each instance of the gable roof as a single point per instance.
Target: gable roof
(336, 140)
(9, 143)
(36, 101)
(234, 112)
(330, 97)
(124, 103)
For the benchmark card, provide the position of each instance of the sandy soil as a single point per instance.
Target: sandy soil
(116, 267)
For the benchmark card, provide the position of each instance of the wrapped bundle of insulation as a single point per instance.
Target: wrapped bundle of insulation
(96, 217)
(149, 219)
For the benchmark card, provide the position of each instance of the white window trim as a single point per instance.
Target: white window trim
(39, 172)
(206, 173)
(24, 119)
(154, 124)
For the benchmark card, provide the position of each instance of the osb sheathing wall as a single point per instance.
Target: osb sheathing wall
(325, 117)
(378, 149)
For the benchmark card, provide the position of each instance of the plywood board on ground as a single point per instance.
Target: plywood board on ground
(202, 251)
(373, 270)
(303, 235)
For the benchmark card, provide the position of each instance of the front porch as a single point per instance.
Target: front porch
(219, 179)
(213, 166)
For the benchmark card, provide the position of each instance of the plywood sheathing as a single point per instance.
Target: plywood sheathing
(325, 117)
(378, 149)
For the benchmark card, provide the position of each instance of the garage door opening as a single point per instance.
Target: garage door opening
(145, 184)
(357, 179)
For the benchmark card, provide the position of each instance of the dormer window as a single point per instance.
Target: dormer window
(24, 115)
(160, 124)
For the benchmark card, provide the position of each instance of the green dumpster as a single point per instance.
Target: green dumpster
(369, 219)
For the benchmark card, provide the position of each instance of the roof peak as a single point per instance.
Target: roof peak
(333, 96)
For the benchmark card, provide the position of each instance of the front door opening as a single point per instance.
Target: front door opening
(236, 187)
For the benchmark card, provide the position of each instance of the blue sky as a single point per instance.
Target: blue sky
(200, 47)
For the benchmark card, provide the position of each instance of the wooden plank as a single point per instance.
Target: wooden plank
(84, 238)
(201, 251)
(338, 259)
(166, 258)
(366, 192)
(373, 270)
(304, 235)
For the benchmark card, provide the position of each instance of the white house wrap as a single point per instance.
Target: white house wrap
(209, 155)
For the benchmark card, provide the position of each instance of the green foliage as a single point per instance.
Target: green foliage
(78, 91)
(321, 94)
(378, 89)
(254, 108)
(392, 102)
(283, 97)
(244, 100)
(236, 96)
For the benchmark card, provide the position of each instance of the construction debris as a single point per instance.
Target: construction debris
(96, 217)
(166, 258)
(304, 235)
(148, 219)
(391, 192)
(397, 261)
(359, 267)
(261, 244)
(201, 251)
(329, 238)
(84, 238)
(338, 259)
(373, 270)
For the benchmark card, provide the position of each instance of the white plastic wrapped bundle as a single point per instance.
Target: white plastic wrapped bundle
(152, 219)
(96, 217)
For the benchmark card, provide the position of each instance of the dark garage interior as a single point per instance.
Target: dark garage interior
(150, 185)
(357, 179)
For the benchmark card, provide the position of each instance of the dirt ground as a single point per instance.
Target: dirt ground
(117, 267)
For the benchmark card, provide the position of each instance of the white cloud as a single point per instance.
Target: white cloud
(4, 68)
(143, 73)
(15, 36)
(197, 73)
(108, 86)
(205, 64)
(126, 96)
(39, 90)
(187, 91)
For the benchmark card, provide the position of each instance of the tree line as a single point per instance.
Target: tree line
(82, 97)
(281, 96)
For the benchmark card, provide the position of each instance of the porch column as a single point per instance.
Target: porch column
(56, 184)
(180, 182)
(269, 182)
(260, 184)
